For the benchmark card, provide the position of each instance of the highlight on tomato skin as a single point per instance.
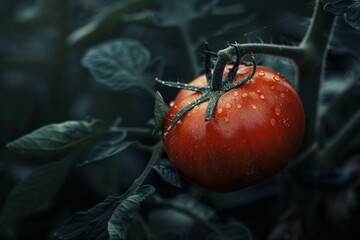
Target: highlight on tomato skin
(254, 131)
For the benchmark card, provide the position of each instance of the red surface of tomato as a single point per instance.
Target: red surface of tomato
(253, 133)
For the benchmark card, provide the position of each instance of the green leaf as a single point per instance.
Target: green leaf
(38, 187)
(107, 149)
(233, 231)
(80, 222)
(349, 9)
(168, 172)
(195, 206)
(57, 137)
(125, 213)
(175, 13)
(118, 64)
(160, 111)
(106, 21)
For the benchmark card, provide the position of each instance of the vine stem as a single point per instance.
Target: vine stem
(155, 156)
(184, 32)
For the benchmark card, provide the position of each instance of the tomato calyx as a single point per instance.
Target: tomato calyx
(216, 85)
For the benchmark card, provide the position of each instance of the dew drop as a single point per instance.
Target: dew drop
(253, 106)
(262, 97)
(239, 105)
(226, 119)
(235, 93)
(273, 122)
(179, 122)
(228, 105)
(277, 78)
(244, 95)
(261, 73)
(277, 111)
(172, 103)
(196, 108)
(272, 87)
(258, 91)
(282, 95)
(220, 110)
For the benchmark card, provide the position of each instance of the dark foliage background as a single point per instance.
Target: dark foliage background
(42, 81)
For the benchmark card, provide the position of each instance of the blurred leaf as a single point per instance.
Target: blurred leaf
(232, 231)
(80, 222)
(39, 186)
(118, 64)
(168, 172)
(107, 149)
(106, 21)
(349, 9)
(43, 12)
(173, 13)
(160, 111)
(57, 137)
(197, 207)
(125, 213)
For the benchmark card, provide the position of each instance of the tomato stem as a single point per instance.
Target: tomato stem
(217, 86)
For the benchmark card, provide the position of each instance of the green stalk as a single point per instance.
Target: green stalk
(315, 46)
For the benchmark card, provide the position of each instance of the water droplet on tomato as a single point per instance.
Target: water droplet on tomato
(244, 95)
(273, 122)
(262, 97)
(277, 111)
(196, 108)
(220, 110)
(228, 105)
(179, 122)
(282, 94)
(235, 93)
(272, 87)
(239, 105)
(261, 73)
(226, 119)
(172, 103)
(258, 91)
(253, 106)
(277, 78)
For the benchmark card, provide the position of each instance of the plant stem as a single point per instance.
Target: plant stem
(131, 130)
(184, 32)
(156, 155)
(312, 65)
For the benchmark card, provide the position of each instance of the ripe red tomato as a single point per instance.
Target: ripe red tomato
(253, 133)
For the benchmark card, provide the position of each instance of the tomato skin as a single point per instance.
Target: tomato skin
(253, 133)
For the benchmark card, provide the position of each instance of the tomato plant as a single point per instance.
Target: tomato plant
(127, 166)
(255, 130)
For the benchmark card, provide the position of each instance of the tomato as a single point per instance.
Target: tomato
(254, 131)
